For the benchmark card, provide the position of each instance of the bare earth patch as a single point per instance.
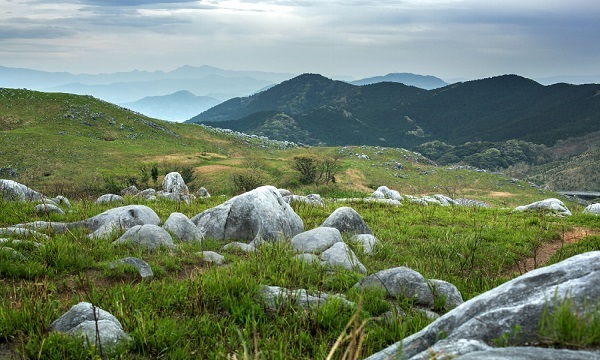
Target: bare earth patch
(356, 177)
(208, 169)
(546, 250)
(500, 194)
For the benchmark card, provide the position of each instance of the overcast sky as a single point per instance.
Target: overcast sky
(356, 38)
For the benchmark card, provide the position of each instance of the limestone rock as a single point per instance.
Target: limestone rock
(183, 228)
(12, 190)
(130, 191)
(520, 301)
(440, 288)
(551, 205)
(120, 218)
(258, 214)
(173, 183)
(593, 209)
(144, 269)
(148, 236)
(42, 209)
(367, 241)
(110, 198)
(400, 282)
(275, 297)
(316, 241)
(203, 193)
(102, 327)
(212, 257)
(340, 255)
(346, 219)
(61, 201)
(239, 246)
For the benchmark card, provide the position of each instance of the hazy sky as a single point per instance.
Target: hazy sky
(357, 38)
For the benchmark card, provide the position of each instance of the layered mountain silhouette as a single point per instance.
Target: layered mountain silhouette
(421, 81)
(330, 112)
(178, 106)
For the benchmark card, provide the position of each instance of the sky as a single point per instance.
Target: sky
(451, 39)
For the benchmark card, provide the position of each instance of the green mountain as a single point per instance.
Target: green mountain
(392, 114)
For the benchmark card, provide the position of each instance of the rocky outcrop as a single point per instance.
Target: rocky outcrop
(551, 205)
(275, 297)
(147, 236)
(260, 214)
(340, 255)
(173, 183)
(143, 268)
(367, 241)
(14, 191)
(46, 209)
(110, 198)
(99, 328)
(347, 220)
(400, 282)
(316, 241)
(471, 327)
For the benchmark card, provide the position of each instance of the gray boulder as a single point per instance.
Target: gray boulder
(120, 218)
(400, 282)
(182, 228)
(316, 241)
(239, 246)
(444, 200)
(43, 209)
(102, 328)
(258, 214)
(529, 353)
(519, 302)
(62, 201)
(592, 209)
(14, 191)
(130, 191)
(440, 288)
(143, 268)
(177, 197)
(367, 241)
(7, 252)
(383, 192)
(340, 255)
(173, 183)
(212, 257)
(275, 297)
(203, 193)
(346, 219)
(110, 198)
(148, 236)
(550, 205)
(284, 192)
(21, 230)
(471, 203)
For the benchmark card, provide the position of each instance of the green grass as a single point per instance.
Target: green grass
(192, 308)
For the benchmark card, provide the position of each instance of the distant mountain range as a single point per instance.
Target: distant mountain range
(125, 87)
(318, 110)
(427, 82)
(178, 106)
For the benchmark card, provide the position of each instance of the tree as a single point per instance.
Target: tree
(315, 169)
(154, 173)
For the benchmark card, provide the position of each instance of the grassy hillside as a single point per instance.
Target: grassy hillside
(74, 145)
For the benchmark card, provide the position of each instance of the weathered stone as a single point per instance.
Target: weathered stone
(148, 193)
(10, 253)
(42, 209)
(130, 191)
(519, 302)
(449, 292)
(183, 228)
(284, 192)
(311, 199)
(173, 183)
(4, 242)
(528, 353)
(308, 258)
(275, 298)
(340, 255)
(203, 193)
(367, 241)
(20, 230)
(110, 198)
(346, 219)
(239, 246)
(120, 218)
(471, 203)
(316, 241)
(212, 257)
(143, 268)
(592, 209)
(62, 201)
(147, 236)
(400, 282)
(444, 200)
(14, 191)
(551, 205)
(102, 328)
(258, 214)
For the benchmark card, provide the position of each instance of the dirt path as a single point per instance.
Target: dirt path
(545, 252)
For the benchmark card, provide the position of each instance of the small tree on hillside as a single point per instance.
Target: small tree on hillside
(316, 170)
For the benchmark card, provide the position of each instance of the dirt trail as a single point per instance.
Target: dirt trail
(545, 252)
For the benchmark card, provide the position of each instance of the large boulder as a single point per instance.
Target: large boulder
(340, 255)
(143, 268)
(147, 236)
(101, 327)
(258, 214)
(173, 183)
(44, 209)
(12, 190)
(183, 228)
(110, 198)
(518, 303)
(316, 241)
(550, 205)
(346, 219)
